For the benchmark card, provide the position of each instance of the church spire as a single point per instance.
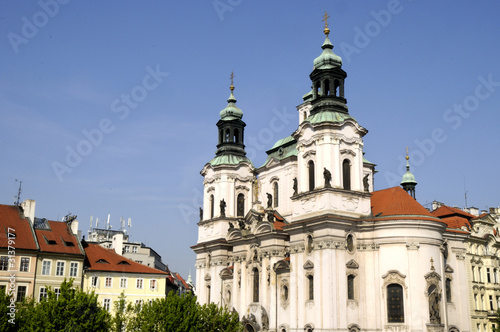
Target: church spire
(328, 78)
(408, 182)
(231, 127)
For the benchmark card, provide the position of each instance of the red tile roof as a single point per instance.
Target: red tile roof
(456, 222)
(11, 216)
(178, 276)
(397, 202)
(447, 211)
(57, 239)
(102, 259)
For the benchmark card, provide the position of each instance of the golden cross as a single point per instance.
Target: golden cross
(325, 19)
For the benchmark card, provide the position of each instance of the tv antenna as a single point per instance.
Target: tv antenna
(18, 198)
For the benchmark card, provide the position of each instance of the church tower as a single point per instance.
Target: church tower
(408, 182)
(227, 197)
(331, 166)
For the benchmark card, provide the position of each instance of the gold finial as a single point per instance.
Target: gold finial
(407, 158)
(325, 19)
(432, 264)
(232, 86)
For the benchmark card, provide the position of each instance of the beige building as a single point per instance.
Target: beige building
(109, 275)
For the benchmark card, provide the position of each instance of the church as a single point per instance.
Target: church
(304, 243)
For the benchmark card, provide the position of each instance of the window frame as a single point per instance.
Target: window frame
(46, 265)
(123, 280)
(73, 269)
(153, 287)
(139, 281)
(400, 301)
(42, 294)
(106, 304)
(23, 293)
(4, 263)
(108, 284)
(24, 264)
(60, 267)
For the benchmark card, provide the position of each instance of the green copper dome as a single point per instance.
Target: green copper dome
(408, 177)
(327, 59)
(231, 112)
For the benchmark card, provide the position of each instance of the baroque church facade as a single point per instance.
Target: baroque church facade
(304, 243)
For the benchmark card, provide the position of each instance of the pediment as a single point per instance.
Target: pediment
(448, 269)
(352, 264)
(308, 265)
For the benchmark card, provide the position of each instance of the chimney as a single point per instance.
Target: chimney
(118, 243)
(29, 209)
(74, 226)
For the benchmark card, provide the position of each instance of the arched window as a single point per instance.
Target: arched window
(395, 306)
(310, 166)
(275, 194)
(240, 205)
(236, 136)
(327, 87)
(335, 87)
(221, 136)
(448, 290)
(346, 171)
(211, 206)
(350, 287)
(228, 135)
(255, 285)
(310, 279)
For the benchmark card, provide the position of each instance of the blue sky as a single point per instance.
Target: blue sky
(422, 74)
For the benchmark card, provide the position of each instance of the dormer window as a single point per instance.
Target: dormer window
(103, 261)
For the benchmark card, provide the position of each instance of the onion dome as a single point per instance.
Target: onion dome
(327, 59)
(231, 112)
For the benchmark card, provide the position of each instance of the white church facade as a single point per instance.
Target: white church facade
(303, 243)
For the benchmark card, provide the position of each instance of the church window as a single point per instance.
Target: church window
(448, 290)
(228, 135)
(255, 285)
(285, 293)
(310, 279)
(275, 194)
(309, 244)
(335, 87)
(327, 87)
(346, 171)
(350, 287)
(310, 166)
(211, 206)
(240, 205)
(488, 275)
(350, 243)
(236, 136)
(395, 308)
(491, 302)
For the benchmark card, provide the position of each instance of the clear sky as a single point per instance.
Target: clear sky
(109, 107)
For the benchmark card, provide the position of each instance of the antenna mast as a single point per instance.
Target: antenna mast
(18, 198)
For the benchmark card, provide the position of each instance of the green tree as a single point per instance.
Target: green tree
(119, 321)
(8, 321)
(73, 310)
(181, 314)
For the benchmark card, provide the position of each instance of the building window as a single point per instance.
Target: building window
(138, 303)
(285, 293)
(106, 304)
(482, 302)
(123, 283)
(491, 302)
(479, 274)
(46, 268)
(448, 290)
(310, 166)
(495, 275)
(240, 209)
(108, 282)
(346, 172)
(473, 274)
(127, 248)
(310, 279)
(4, 263)
(498, 302)
(21, 293)
(60, 269)
(139, 283)
(255, 285)
(152, 284)
(43, 294)
(350, 287)
(134, 249)
(25, 264)
(212, 203)
(73, 269)
(395, 308)
(275, 194)
(94, 281)
(488, 275)
(57, 291)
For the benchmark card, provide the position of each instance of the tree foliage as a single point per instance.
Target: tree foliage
(182, 314)
(74, 310)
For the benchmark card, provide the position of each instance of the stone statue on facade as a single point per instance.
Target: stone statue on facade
(434, 298)
(222, 208)
(366, 185)
(269, 200)
(270, 217)
(295, 186)
(264, 319)
(201, 213)
(328, 177)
